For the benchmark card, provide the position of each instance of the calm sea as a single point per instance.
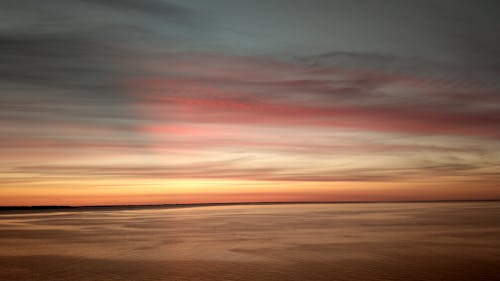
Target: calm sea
(379, 241)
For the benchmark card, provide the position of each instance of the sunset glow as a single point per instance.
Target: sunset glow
(191, 106)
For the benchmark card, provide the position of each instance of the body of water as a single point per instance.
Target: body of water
(377, 241)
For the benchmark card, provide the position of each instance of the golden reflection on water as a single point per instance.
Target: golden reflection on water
(393, 241)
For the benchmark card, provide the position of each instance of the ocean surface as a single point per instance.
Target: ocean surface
(363, 242)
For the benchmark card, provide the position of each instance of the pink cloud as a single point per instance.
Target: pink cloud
(233, 90)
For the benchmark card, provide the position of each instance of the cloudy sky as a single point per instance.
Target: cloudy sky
(152, 101)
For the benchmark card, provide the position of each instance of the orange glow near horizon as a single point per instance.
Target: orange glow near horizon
(220, 191)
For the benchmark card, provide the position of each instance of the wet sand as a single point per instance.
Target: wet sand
(383, 241)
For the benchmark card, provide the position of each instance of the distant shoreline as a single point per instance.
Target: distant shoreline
(10, 209)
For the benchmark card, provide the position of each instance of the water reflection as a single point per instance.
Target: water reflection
(434, 241)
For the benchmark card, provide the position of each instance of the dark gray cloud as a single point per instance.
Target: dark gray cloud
(150, 7)
(65, 62)
(56, 60)
(82, 44)
(437, 73)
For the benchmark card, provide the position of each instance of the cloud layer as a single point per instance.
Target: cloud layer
(138, 94)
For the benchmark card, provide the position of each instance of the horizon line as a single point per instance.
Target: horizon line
(208, 204)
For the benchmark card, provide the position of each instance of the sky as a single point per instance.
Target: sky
(186, 101)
